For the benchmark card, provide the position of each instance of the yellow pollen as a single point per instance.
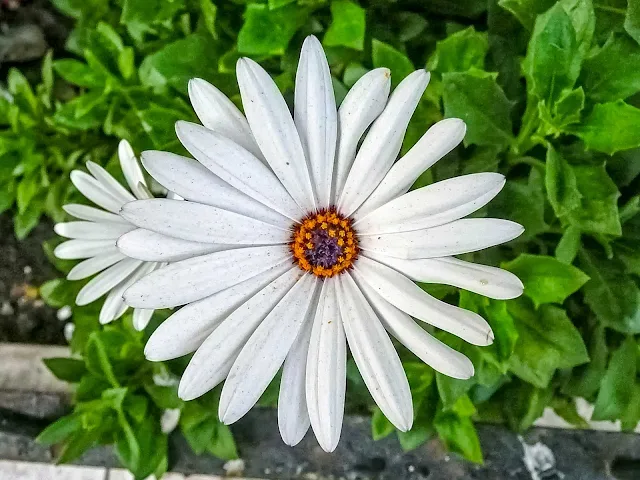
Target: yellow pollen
(324, 243)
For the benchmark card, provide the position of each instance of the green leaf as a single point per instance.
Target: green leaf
(610, 127)
(223, 445)
(460, 52)
(481, 103)
(503, 326)
(569, 245)
(561, 183)
(452, 389)
(347, 28)
(380, 426)
(268, 32)
(26, 221)
(67, 369)
(618, 383)
(546, 279)
(598, 211)
(632, 20)
(553, 60)
(98, 361)
(178, 62)
(526, 10)
(198, 425)
(384, 55)
(612, 72)
(209, 15)
(60, 430)
(547, 340)
(523, 202)
(459, 435)
(140, 17)
(566, 408)
(78, 73)
(28, 188)
(583, 19)
(566, 111)
(78, 444)
(524, 404)
(613, 296)
(585, 380)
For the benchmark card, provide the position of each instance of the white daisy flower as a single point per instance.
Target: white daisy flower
(296, 241)
(94, 235)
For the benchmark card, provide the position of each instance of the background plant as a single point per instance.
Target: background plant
(549, 92)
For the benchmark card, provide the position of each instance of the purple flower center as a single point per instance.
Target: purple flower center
(325, 251)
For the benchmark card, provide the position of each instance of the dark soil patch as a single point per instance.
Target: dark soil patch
(23, 268)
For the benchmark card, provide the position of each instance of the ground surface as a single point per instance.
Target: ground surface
(24, 267)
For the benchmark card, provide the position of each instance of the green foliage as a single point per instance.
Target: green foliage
(549, 92)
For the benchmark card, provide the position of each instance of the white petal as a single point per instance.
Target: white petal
(154, 247)
(462, 236)
(327, 370)
(94, 191)
(196, 278)
(213, 359)
(433, 205)
(236, 166)
(274, 131)
(194, 182)
(114, 306)
(105, 281)
(132, 171)
(201, 223)
(439, 140)
(362, 105)
(491, 282)
(382, 144)
(430, 350)
(94, 265)
(293, 417)
(218, 113)
(401, 292)
(316, 116)
(91, 230)
(85, 212)
(142, 317)
(264, 353)
(374, 354)
(75, 249)
(185, 330)
(109, 183)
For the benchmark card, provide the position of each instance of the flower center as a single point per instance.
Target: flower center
(324, 243)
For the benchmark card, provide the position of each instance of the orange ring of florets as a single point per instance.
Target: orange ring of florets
(336, 226)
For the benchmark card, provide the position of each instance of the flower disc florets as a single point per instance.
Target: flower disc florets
(324, 243)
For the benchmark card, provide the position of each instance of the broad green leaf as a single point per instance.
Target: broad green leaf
(503, 326)
(566, 111)
(546, 279)
(67, 369)
(524, 404)
(598, 211)
(178, 62)
(569, 245)
(612, 72)
(613, 296)
(583, 19)
(127, 447)
(451, 389)
(631, 416)
(632, 20)
(610, 127)
(618, 383)
(553, 60)
(79, 443)
(547, 340)
(561, 183)
(460, 52)
(27, 189)
(526, 10)
(26, 221)
(198, 425)
(60, 430)
(481, 103)
(585, 380)
(268, 32)
(380, 426)
(223, 445)
(78, 73)
(384, 55)
(140, 17)
(459, 435)
(347, 28)
(98, 361)
(566, 408)
(523, 202)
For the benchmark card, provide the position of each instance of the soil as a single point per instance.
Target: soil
(24, 317)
